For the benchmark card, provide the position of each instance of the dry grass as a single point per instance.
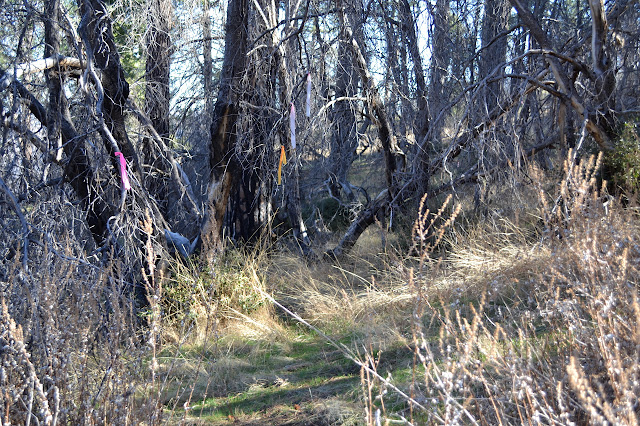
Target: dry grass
(549, 333)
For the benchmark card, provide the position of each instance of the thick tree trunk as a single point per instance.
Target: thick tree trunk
(250, 209)
(493, 50)
(158, 67)
(224, 168)
(158, 64)
(62, 135)
(125, 234)
(344, 140)
(113, 91)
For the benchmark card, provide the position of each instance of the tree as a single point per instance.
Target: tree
(484, 101)
(222, 162)
(344, 141)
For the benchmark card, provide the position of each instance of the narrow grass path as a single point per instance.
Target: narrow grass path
(300, 382)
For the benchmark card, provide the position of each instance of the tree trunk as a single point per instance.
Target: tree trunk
(223, 166)
(493, 50)
(63, 136)
(292, 184)
(393, 155)
(157, 97)
(344, 140)
(409, 31)
(603, 67)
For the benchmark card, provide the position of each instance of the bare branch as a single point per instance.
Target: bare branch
(64, 62)
(13, 201)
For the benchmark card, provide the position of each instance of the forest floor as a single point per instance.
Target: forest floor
(519, 316)
(304, 383)
(267, 368)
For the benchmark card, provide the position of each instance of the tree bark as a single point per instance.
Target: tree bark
(344, 140)
(223, 166)
(493, 50)
(603, 67)
(62, 135)
(409, 31)
(157, 97)
(158, 64)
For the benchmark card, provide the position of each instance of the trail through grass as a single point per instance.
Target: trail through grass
(302, 381)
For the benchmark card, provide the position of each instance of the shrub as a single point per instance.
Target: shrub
(622, 166)
(194, 292)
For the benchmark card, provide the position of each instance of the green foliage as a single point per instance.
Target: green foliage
(128, 29)
(194, 291)
(622, 166)
(334, 214)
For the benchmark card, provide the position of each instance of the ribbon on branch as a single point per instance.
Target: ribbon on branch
(123, 171)
(308, 112)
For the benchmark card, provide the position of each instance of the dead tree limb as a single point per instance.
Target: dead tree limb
(565, 84)
(393, 155)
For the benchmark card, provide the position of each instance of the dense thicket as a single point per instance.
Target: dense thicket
(203, 99)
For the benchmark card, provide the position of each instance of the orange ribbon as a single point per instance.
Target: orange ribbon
(283, 161)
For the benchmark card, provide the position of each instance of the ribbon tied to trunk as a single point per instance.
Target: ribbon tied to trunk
(282, 162)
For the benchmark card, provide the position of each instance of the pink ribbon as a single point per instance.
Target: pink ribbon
(308, 94)
(292, 124)
(123, 171)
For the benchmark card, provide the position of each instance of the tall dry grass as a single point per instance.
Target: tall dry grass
(74, 349)
(494, 324)
(544, 332)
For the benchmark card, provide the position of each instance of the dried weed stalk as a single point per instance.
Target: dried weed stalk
(564, 351)
(70, 347)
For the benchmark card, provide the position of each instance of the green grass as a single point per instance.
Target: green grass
(269, 376)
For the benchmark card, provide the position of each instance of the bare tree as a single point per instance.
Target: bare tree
(344, 141)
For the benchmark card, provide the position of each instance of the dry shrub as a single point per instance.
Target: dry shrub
(198, 302)
(71, 349)
(561, 349)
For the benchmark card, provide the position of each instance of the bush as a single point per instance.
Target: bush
(622, 166)
(194, 292)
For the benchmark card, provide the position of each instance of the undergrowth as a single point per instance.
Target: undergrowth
(550, 343)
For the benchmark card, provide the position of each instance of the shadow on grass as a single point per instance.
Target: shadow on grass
(261, 400)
